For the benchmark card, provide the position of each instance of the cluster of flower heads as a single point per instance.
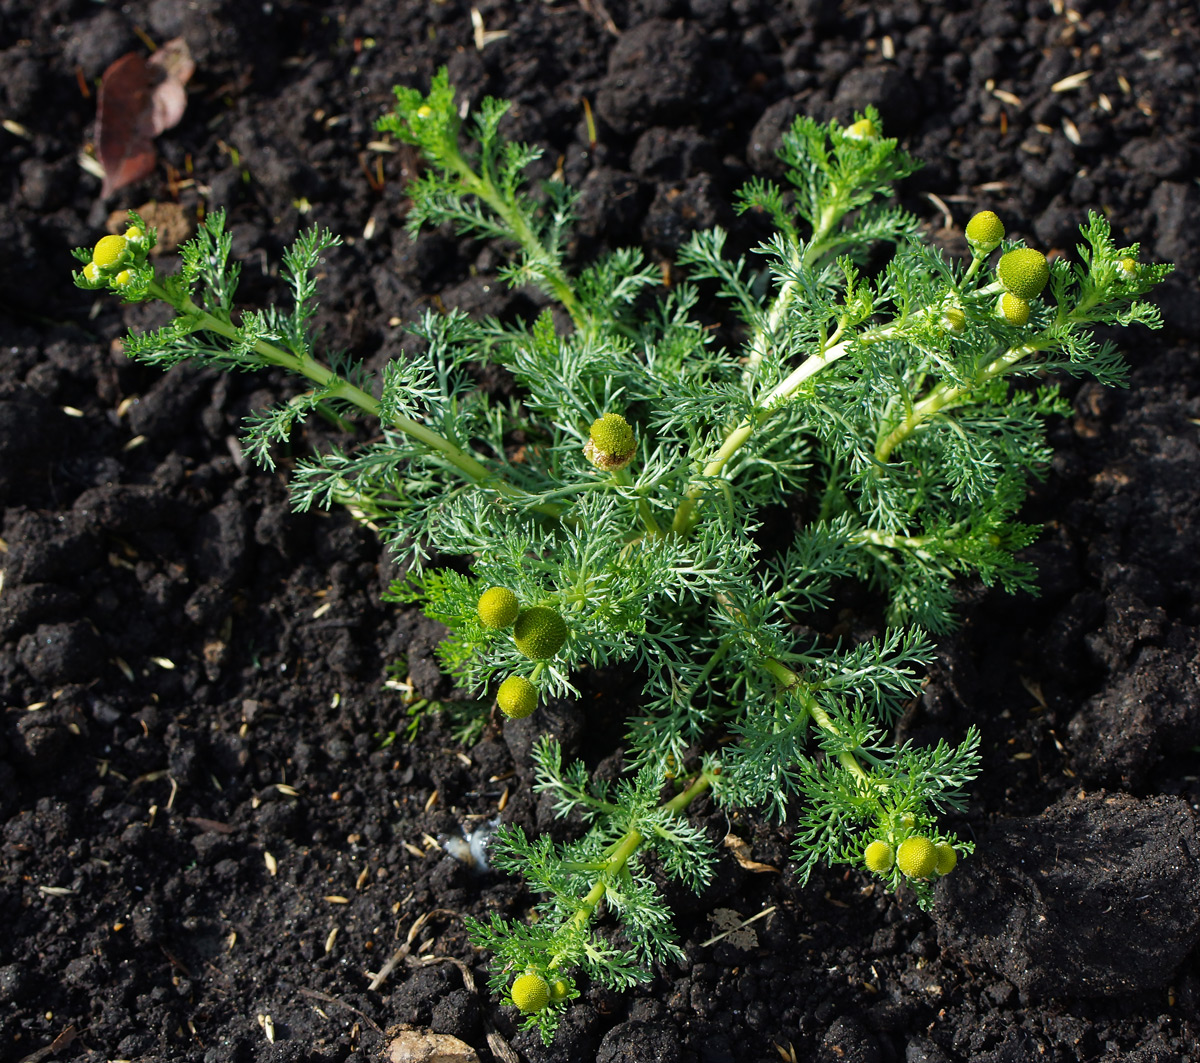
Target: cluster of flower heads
(531, 992)
(539, 632)
(112, 256)
(1022, 272)
(916, 857)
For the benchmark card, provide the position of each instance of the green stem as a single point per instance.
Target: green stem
(831, 350)
(830, 218)
(834, 348)
(685, 514)
(484, 188)
(789, 680)
(943, 395)
(338, 388)
(645, 513)
(619, 855)
(914, 543)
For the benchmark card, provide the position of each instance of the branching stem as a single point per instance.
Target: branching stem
(483, 187)
(791, 681)
(944, 395)
(619, 855)
(339, 388)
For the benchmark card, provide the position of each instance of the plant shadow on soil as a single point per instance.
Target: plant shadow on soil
(201, 823)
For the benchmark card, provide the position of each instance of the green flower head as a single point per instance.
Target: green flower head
(530, 993)
(107, 250)
(879, 856)
(497, 608)
(917, 857)
(947, 858)
(1023, 272)
(611, 443)
(984, 232)
(517, 697)
(539, 632)
(1013, 309)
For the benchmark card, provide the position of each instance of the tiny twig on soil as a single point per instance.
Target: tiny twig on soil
(397, 957)
(327, 999)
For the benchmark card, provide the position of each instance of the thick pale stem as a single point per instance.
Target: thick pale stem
(834, 349)
(943, 395)
(815, 247)
(685, 515)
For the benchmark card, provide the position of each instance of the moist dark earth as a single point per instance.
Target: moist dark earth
(209, 838)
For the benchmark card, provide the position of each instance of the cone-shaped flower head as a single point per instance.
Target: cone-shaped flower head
(863, 129)
(611, 443)
(1023, 272)
(954, 320)
(108, 250)
(947, 858)
(539, 632)
(530, 993)
(517, 697)
(917, 857)
(498, 607)
(879, 856)
(1013, 309)
(984, 232)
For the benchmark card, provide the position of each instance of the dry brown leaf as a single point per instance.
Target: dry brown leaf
(139, 98)
(741, 853)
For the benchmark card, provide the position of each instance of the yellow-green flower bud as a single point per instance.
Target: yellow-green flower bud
(984, 232)
(517, 697)
(91, 272)
(1023, 272)
(559, 989)
(123, 278)
(1127, 268)
(530, 993)
(947, 858)
(953, 319)
(1013, 309)
(108, 250)
(498, 607)
(424, 111)
(879, 856)
(917, 857)
(611, 443)
(133, 233)
(539, 632)
(863, 129)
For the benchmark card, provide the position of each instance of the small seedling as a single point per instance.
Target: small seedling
(900, 412)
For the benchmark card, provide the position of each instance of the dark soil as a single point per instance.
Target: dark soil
(194, 781)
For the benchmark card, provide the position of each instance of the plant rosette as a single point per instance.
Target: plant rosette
(886, 399)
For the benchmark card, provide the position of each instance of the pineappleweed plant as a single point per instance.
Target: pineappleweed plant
(901, 412)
